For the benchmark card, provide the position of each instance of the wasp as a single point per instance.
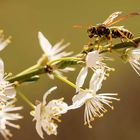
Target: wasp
(108, 31)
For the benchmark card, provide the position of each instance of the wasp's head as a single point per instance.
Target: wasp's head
(91, 31)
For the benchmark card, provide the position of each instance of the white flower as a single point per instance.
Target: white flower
(6, 116)
(93, 61)
(3, 42)
(54, 52)
(7, 90)
(45, 114)
(94, 103)
(133, 57)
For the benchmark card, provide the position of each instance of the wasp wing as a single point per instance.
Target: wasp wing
(120, 18)
(111, 18)
(117, 27)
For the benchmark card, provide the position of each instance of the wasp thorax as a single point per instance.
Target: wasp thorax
(102, 30)
(91, 31)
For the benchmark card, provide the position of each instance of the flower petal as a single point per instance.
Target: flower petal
(135, 67)
(47, 93)
(10, 92)
(81, 78)
(44, 43)
(1, 68)
(37, 117)
(37, 112)
(97, 79)
(39, 129)
(58, 48)
(3, 42)
(80, 99)
(92, 58)
(49, 127)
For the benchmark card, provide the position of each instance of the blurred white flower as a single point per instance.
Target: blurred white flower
(93, 61)
(54, 52)
(94, 103)
(133, 57)
(45, 114)
(3, 42)
(6, 116)
(7, 90)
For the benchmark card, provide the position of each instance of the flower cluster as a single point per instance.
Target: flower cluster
(133, 57)
(53, 53)
(7, 90)
(45, 114)
(7, 98)
(54, 62)
(6, 116)
(95, 103)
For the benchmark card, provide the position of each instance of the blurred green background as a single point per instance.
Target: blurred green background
(22, 19)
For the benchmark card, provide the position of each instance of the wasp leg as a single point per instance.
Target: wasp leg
(90, 41)
(122, 34)
(99, 39)
(122, 39)
(110, 36)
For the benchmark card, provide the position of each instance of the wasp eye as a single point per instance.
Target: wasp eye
(91, 31)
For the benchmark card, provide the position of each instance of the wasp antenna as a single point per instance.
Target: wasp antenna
(135, 13)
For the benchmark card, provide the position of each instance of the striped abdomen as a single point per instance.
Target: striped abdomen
(122, 33)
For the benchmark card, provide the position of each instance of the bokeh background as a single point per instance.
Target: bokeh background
(22, 19)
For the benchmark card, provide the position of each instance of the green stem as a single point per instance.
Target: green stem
(64, 59)
(127, 44)
(64, 80)
(122, 45)
(37, 69)
(28, 70)
(26, 99)
(21, 78)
